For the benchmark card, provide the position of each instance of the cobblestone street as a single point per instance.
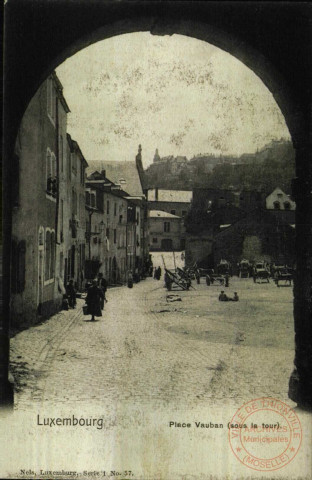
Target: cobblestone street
(148, 350)
(148, 362)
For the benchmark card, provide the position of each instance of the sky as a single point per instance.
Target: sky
(175, 93)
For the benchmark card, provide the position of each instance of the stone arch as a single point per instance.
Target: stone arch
(281, 57)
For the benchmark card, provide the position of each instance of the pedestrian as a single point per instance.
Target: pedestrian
(227, 278)
(223, 297)
(94, 300)
(71, 294)
(158, 273)
(102, 284)
(197, 275)
(208, 280)
(130, 280)
(235, 298)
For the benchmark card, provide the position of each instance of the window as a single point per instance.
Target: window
(173, 212)
(93, 199)
(74, 204)
(49, 255)
(115, 208)
(61, 154)
(287, 205)
(155, 240)
(183, 213)
(51, 97)
(41, 237)
(120, 218)
(73, 163)
(51, 180)
(81, 206)
(107, 233)
(90, 199)
(167, 227)
(62, 221)
(276, 205)
(69, 165)
(82, 173)
(115, 236)
(107, 207)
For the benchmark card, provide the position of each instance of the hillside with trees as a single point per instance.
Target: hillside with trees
(273, 165)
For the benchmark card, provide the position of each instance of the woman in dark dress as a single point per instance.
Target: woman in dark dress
(71, 294)
(95, 297)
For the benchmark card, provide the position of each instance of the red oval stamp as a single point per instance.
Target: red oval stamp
(265, 434)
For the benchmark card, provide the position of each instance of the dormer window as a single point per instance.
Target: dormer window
(277, 205)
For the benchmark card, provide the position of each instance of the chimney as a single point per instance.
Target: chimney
(103, 173)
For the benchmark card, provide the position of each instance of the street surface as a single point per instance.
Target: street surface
(149, 350)
(147, 364)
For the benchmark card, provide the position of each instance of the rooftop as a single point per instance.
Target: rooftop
(183, 196)
(161, 214)
(123, 173)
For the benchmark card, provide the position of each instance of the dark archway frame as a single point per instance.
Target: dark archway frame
(273, 39)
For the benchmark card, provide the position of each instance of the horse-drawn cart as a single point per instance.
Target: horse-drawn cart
(177, 280)
(260, 273)
(283, 275)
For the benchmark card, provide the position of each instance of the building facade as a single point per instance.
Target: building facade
(257, 236)
(39, 156)
(166, 231)
(176, 202)
(114, 230)
(72, 216)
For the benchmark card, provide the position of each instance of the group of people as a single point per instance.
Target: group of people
(224, 298)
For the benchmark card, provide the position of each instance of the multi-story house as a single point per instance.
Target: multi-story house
(126, 180)
(39, 164)
(111, 230)
(166, 231)
(72, 216)
(176, 202)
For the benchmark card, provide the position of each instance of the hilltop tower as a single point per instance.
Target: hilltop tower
(156, 157)
(139, 166)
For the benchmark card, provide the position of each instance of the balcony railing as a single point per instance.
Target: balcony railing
(52, 186)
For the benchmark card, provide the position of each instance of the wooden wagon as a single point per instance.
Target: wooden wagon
(283, 275)
(177, 280)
